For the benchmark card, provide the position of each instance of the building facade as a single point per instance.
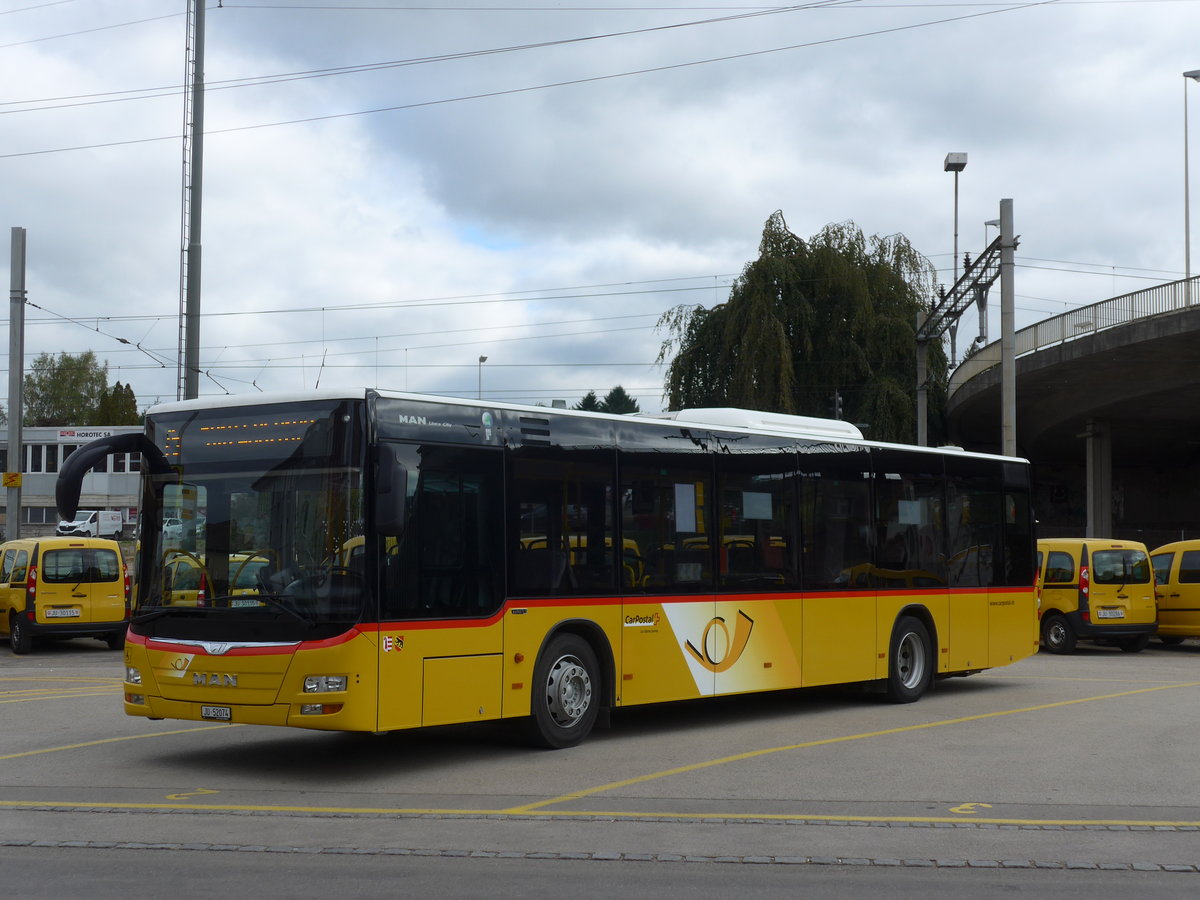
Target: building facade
(113, 484)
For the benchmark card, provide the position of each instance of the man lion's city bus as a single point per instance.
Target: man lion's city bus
(376, 561)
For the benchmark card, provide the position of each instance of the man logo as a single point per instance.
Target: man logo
(720, 659)
(212, 679)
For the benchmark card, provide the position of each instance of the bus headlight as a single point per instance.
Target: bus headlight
(132, 675)
(322, 684)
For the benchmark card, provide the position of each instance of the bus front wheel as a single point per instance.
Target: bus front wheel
(566, 693)
(910, 663)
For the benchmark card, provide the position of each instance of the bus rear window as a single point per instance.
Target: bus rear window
(79, 565)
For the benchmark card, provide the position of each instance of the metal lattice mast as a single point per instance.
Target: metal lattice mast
(188, 363)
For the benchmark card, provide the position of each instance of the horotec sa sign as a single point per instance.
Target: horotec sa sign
(77, 435)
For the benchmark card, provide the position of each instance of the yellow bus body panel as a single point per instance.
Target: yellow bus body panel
(418, 673)
(840, 639)
(259, 686)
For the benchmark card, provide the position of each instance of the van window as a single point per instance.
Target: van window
(19, 567)
(1162, 567)
(1189, 568)
(6, 568)
(1120, 567)
(1060, 568)
(79, 564)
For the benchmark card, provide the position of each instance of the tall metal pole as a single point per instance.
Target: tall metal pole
(191, 355)
(1187, 203)
(1008, 360)
(16, 375)
(1193, 75)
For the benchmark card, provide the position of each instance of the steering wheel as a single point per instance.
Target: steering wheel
(172, 552)
(269, 555)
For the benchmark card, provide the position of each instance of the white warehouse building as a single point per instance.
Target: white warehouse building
(112, 485)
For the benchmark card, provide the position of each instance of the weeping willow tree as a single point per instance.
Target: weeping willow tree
(808, 321)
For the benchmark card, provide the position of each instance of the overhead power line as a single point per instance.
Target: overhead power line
(750, 54)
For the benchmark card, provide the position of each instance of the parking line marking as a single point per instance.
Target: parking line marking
(767, 751)
(114, 740)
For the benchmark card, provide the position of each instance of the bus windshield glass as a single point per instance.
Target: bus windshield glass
(248, 537)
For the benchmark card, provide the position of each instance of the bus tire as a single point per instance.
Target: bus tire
(910, 661)
(566, 693)
(1057, 634)
(19, 637)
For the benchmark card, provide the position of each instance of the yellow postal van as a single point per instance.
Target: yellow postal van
(1097, 590)
(63, 587)
(1177, 577)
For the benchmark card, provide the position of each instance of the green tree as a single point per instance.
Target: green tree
(617, 401)
(73, 390)
(588, 403)
(806, 320)
(118, 406)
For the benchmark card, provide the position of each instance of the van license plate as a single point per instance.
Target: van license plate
(62, 613)
(220, 713)
(1110, 613)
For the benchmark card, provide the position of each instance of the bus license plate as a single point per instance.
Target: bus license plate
(220, 713)
(1110, 613)
(62, 613)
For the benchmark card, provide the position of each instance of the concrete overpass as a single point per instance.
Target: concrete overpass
(1108, 411)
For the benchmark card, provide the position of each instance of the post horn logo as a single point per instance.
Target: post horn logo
(733, 648)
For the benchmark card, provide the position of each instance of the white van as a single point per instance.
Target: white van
(102, 523)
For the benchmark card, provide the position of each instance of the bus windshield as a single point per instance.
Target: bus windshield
(248, 536)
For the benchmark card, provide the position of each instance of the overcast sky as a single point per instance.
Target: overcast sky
(392, 190)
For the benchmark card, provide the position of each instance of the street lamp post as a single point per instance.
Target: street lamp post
(482, 360)
(955, 162)
(1193, 75)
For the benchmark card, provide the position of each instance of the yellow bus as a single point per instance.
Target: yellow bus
(434, 561)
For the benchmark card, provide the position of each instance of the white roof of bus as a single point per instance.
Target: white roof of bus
(723, 417)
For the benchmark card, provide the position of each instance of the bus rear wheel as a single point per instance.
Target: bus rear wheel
(566, 693)
(910, 662)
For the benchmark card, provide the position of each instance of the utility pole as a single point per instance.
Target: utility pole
(193, 177)
(16, 375)
(1008, 358)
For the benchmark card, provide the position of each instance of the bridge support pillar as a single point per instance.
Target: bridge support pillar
(1099, 479)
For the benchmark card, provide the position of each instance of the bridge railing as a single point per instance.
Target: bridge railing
(1158, 300)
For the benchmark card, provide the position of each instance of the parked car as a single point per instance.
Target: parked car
(1177, 584)
(63, 587)
(105, 523)
(1095, 589)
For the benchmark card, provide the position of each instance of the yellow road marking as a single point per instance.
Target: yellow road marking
(537, 809)
(767, 751)
(816, 818)
(80, 693)
(114, 740)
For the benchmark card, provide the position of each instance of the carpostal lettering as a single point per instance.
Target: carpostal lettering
(636, 621)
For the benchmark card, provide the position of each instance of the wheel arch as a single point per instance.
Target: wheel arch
(920, 612)
(594, 635)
